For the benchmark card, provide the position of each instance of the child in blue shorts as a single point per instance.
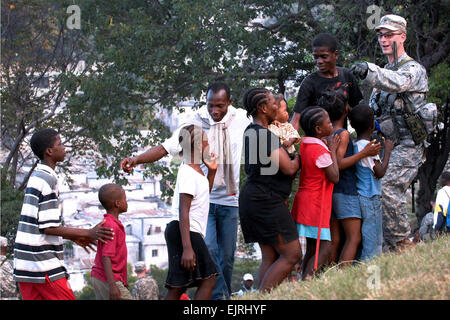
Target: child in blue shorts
(369, 172)
(346, 212)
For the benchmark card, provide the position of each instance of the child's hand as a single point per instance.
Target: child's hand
(287, 143)
(372, 148)
(276, 123)
(188, 259)
(333, 142)
(101, 233)
(114, 292)
(388, 145)
(211, 161)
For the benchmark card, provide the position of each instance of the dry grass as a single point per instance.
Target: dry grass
(422, 272)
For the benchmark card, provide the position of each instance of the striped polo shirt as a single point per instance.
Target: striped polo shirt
(35, 253)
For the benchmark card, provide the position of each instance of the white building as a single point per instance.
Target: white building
(149, 229)
(144, 222)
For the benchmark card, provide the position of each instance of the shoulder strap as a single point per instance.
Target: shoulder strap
(408, 59)
(338, 131)
(400, 94)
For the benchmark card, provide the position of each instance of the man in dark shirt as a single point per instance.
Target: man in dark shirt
(328, 76)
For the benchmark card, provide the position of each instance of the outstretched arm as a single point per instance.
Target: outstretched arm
(83, 237)
(151, 155)
(371, 149)
(409, 78)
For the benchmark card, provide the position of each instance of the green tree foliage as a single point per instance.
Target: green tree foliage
(160, 52)
(160, 276)
(87, 293)
(38, 56)
(11, 205)
(140, 55)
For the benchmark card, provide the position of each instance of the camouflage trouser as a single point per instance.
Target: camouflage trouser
(403, 166)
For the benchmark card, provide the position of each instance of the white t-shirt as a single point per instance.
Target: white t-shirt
(192, 182)
(367, 162)
(441, 205)
(236, 131)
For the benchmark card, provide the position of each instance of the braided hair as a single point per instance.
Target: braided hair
(254, 98)
(311, 117)
(334, 102)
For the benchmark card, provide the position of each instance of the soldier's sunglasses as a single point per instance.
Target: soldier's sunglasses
(387, 35)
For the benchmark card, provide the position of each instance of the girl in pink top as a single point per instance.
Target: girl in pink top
(312, 203)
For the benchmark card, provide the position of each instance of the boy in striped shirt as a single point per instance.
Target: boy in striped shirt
(38, 250)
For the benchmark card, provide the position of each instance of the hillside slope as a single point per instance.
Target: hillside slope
(422, 272)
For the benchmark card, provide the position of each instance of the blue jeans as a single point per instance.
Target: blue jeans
(221, 237)
(371, 227)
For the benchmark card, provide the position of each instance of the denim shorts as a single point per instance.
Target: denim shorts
(371, 227)
(345, 206)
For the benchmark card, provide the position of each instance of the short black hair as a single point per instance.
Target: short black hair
(334, 101)
(217, 86)
(445, 178)
(325, 40)
(109, 193)
(310, 118)
(361, 118)
(253, 98)
(41, 140)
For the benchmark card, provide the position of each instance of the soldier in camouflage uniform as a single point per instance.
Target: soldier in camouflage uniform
(8, 289)
(145, 288)
(402, 79)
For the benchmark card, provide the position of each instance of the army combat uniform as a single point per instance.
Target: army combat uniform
(8, 288)
(145, 288)
(410, 80)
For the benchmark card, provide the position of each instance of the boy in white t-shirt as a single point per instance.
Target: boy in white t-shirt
(190, 264)
(441, 207)
(369, 172)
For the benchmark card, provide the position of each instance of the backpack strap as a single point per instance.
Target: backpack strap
(404, 61)
(338, 131)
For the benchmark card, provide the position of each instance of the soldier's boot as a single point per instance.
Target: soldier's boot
(404, 245)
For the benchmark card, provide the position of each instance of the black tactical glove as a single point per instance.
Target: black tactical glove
(360, 70)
